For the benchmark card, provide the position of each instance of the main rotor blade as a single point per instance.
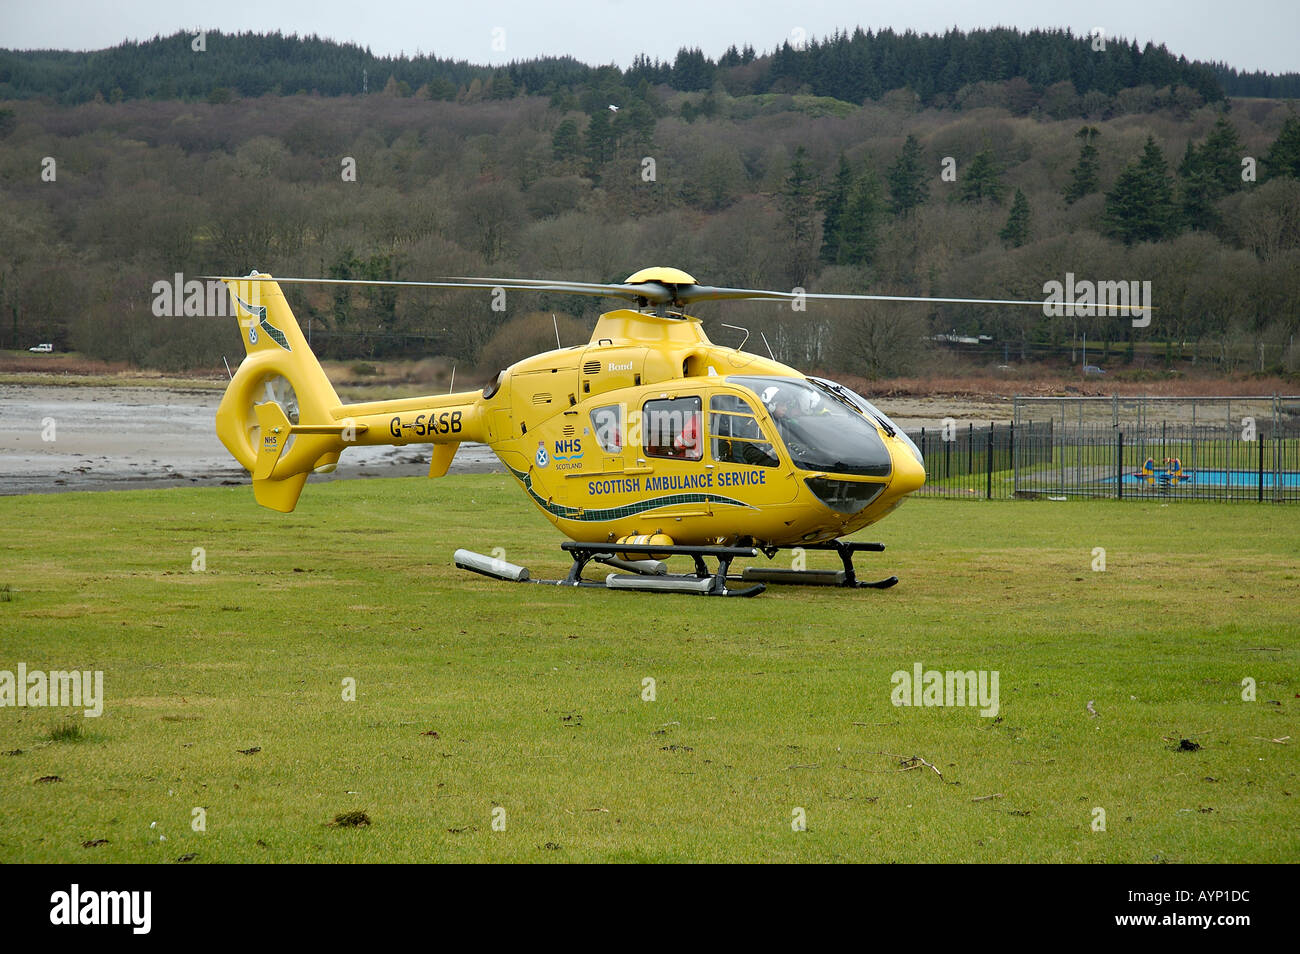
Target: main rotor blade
(686, 294)
(651, 291)
(536, 281)
(694, 293)
(656, 293)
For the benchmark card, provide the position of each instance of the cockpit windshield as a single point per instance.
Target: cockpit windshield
(821, 431)
(866, 407)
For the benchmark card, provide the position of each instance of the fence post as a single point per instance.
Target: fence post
(1119, 466)
(970, 449)
(1260, 437)
(1011, 446)
(1013, 463)
(988, 492)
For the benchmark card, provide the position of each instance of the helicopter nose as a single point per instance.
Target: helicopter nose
(909, 475)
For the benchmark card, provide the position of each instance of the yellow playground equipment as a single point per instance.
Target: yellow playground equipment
(1169, 474)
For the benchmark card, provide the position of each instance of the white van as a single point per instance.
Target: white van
(42, 348)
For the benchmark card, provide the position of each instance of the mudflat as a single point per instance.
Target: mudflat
(103, 438)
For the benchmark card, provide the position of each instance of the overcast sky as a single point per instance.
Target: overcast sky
(1250, 35)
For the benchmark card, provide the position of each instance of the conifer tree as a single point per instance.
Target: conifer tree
(1141, 207)
(1208, 173)
(1016, 232)
(1083, 177)
(1283, 157)
(600, 141)
(1220, 157)
(833, 204)
(566, 141)
(982, 180)
(798, 206)
(858, 238)
(908, 187)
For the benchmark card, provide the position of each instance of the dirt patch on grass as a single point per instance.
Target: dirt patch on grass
(353, 819)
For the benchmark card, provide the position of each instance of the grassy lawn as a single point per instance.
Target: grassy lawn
(474, 695)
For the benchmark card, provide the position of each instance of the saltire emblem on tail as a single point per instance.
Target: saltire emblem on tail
(259, 312)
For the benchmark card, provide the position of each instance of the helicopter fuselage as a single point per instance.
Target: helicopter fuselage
(650, 430)
(648, 433)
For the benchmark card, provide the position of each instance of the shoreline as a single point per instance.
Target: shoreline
(56, 439)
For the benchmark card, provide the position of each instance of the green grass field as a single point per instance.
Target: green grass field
(762, 707)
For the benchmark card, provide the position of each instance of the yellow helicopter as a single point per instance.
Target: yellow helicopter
(647, 442)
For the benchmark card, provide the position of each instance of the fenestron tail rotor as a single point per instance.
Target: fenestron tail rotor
(649, 286)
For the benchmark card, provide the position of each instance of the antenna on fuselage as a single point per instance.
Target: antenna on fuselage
(768, 346)
(555, 321)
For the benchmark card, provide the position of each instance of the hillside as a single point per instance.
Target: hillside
(763, 171)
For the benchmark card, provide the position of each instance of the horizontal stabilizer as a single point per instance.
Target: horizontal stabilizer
(340, 429)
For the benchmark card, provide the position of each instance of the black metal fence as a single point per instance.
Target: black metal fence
(973, 461)
(1253, 457)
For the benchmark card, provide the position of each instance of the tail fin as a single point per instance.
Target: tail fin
(277, 416)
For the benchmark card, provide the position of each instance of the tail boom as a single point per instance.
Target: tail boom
(281, 418)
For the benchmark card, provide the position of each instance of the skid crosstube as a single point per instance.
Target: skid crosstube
(703, 581)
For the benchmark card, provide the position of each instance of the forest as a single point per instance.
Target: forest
(985, 164)
(851, 66)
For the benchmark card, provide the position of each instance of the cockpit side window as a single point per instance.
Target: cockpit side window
(671, 428)
(607, 423)
(734, 434)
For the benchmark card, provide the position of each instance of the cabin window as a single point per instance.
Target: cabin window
(734, 434)
(607, 425)
(672, 428)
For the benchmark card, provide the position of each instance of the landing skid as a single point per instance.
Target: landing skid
(846, 577)
(651, 575)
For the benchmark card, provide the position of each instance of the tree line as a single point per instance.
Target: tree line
(1081, 72)
(772, 190)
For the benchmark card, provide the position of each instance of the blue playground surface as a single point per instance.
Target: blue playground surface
(1218, 478)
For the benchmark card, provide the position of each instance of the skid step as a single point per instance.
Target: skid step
(661, 584)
